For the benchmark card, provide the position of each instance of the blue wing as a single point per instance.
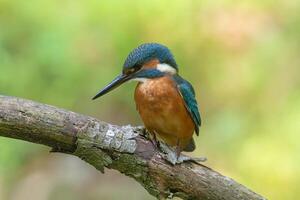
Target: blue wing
(188, 94)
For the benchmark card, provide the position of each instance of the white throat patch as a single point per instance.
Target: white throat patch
(166, 68)
(142, 80)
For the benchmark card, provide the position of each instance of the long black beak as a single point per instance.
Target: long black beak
(112, 85)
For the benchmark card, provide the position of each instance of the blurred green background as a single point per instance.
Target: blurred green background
(242, 58)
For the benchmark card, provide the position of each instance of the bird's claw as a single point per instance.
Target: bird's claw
(145, 133)
(170, 154)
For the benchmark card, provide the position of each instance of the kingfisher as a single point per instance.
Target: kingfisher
(165, 101)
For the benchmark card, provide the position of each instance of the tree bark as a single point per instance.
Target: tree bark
(122, 148)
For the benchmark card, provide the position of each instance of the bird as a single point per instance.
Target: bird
(165, 101)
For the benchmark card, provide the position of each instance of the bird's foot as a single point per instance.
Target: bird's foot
(147, 134)
(171, 155)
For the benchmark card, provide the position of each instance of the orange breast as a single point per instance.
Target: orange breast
(163, 111)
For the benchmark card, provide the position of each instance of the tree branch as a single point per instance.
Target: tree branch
(121, 148)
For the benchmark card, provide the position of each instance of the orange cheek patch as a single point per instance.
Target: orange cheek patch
(151, 64)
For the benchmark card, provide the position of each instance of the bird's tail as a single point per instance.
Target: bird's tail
(190, 146)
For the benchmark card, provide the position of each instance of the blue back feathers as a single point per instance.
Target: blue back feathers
(147, 52)
(188, 94)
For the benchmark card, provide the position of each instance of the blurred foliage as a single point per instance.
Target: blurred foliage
(242, 58)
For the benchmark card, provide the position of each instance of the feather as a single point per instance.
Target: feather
(187, 92)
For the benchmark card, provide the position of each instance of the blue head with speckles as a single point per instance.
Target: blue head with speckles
(147, 52)
(133, 66)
